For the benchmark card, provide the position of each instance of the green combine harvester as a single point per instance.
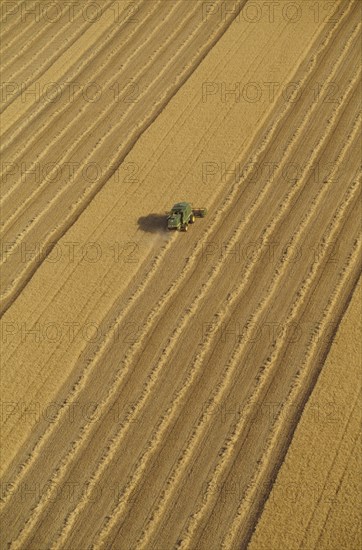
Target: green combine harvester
(182, 214)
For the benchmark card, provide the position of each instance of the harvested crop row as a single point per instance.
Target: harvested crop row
(167, 440)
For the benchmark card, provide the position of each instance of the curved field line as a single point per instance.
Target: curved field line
(231, 367)
(26, 46)
(40, 70)
(299, 382)
(120, 120)
(190, 262)
(86, 61)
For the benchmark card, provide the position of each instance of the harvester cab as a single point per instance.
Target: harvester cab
(174, 220)
(182, 214)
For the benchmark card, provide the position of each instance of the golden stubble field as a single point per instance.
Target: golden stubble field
(153, 381)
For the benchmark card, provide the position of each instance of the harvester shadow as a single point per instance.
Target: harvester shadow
(153, 223)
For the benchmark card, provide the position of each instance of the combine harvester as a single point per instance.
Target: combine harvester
(182, 214)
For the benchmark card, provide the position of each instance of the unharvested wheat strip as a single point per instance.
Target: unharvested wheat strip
(352, 412)
(172, 341)
(215, 221)
(138, 406)
(355, 451)
(326, 41)
(87, 60)
(41, 68)
(57, 114)
(232, 365)
(303, 372)
(26, 47)
(154, 159)
(215, 122)
(265, 373)
(56, 71)
(76, 141)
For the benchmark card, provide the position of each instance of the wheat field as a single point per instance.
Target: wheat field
(159, 389)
